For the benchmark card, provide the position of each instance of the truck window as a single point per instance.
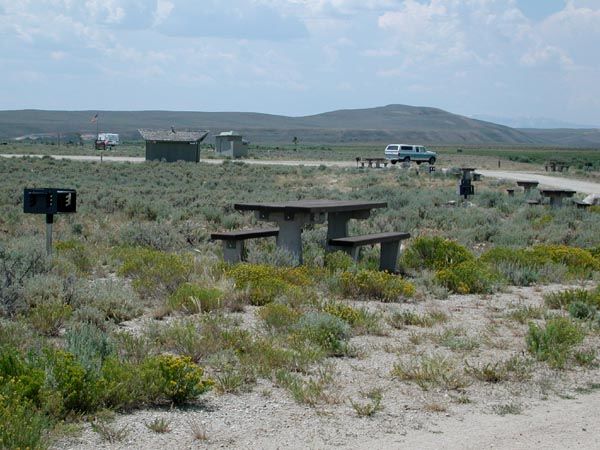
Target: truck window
(406, 147)
(392, 147)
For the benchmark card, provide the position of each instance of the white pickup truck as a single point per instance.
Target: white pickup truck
(408, 152)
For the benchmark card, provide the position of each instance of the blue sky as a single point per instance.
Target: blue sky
(507, 58)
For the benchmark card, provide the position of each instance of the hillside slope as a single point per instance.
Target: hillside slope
(390, 123)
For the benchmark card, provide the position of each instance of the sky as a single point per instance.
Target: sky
(504, 58)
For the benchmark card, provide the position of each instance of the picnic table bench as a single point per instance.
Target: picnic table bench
(233, 241)
(581, 205)
(390, 247)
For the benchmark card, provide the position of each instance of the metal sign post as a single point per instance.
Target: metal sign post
(49, 222)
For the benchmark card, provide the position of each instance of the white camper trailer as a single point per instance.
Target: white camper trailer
(107, 140)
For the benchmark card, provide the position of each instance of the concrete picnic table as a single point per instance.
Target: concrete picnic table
(293, 216)
(556, 195)
(527, 185)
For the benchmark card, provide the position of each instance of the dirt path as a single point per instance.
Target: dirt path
(586, 187)
(563, 424)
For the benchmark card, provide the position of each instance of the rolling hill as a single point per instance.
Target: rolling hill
(399, 123)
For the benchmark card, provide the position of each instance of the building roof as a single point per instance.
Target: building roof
(173, 135)
(230, 133)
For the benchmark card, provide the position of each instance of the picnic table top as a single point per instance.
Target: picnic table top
(311, 206)
(527, 183)
(560, 192)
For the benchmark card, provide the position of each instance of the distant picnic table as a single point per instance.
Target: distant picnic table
(360, 162)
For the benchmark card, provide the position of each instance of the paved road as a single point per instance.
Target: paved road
(586, 187)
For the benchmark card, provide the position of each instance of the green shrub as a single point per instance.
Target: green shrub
(124, 385)
(194, 299)
(517, 275)
(310, 390)
(525, 266)
(90, 346)
(75, 252)
(116, 300)
(345, 312)
(20, 260)
(430, 371)
(582, 311)
(435, 253)
(469, 277)
(338, 261)
(278, 317)
(361, 320)
(265, 283)
(77, 388)
(578, 260)
(554, 343)
(22, 426)
(154, 272)
(264, 355)
(562, 299)
(20, 378)
(152, 235)
(329, 332)
(375, 284)
(401, 319)
(48, 318)
(180, 379)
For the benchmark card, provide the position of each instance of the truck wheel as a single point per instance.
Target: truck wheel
(406, 159)
(432, 160)
(394, 161)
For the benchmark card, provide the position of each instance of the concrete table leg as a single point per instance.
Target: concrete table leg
(233, 251)
(337, 225)
(290, 238)
(290, 230)
(555, 201)
(389, 256)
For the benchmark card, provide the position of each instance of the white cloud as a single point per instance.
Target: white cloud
(109, 11)
(163, 10)
(547, 55)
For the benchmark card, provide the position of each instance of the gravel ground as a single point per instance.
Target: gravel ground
(551, 410)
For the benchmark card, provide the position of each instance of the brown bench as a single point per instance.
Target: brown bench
(233, 241)
(390, 247)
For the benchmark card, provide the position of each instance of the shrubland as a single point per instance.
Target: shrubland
(138, 251)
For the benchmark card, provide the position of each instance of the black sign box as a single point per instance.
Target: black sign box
(49, 201)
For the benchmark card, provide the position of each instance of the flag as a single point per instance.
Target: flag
(94, 119)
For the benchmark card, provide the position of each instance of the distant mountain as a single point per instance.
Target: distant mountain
(531, 122)
(392, 123)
